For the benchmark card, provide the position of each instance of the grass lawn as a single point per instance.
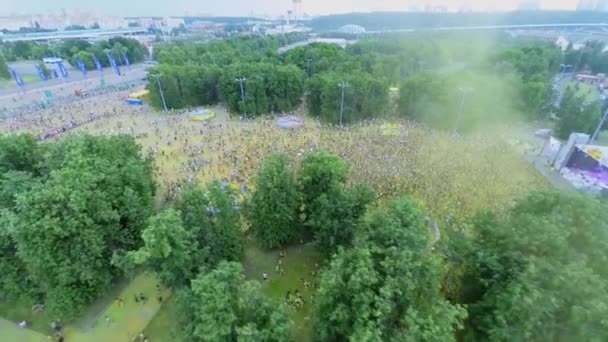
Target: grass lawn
(299, 264)
(18, 311)
(585, 89)
(126, 319)
(162, 326)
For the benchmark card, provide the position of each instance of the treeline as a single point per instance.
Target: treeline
(591, 57)
(439, 82)
(72, 48)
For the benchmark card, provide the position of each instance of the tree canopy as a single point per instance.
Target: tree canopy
(70, 209)
(222, 306)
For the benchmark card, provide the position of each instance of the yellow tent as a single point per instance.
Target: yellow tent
(139, 94)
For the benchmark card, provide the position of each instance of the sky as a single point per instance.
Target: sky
(257, 7)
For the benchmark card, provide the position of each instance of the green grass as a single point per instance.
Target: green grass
(299, 266)
(585, 89)
(299, 263)
(164, 324)
(127, 319)
(22, 310)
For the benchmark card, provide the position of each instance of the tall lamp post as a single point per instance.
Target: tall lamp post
(599, 127)
(343, 85)
(160, 88)
(241, 81)
(464, 91)
(308, 67)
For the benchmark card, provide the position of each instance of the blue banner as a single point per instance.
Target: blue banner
(62, 70)
(16, 77)
(81, 66)
(126, 59)
(41, 73)
(97, 63)
(113, 64)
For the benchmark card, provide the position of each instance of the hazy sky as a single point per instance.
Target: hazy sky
(245, 7)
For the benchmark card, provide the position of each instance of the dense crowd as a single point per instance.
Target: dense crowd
(445, 173)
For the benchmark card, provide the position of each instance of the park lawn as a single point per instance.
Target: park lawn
(589, 91)
(164, 324)
(299, 263)
(22, 310)
(126, 320)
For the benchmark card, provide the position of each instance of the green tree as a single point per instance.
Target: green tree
(4, 73)
(212, 216)
(169, 249)
(93, 203)
(576, 115)
(319, 172)
(222, 306)
(272, 209)
(334, 215)
(391, 279)
(539, 273)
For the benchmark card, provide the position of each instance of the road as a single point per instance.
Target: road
(35, 92)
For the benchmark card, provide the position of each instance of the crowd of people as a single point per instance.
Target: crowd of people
(443, 172)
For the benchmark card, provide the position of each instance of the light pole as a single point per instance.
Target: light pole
(464, 91)
(599, 128)
(308, 65)
(160, 88)
(242, 81)
(343, 85)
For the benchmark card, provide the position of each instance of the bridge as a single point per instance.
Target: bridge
(488, 27)
(79, 34)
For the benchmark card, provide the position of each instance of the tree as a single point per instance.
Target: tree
(272, 209)
(319, 172)
(539, 273)
(89, 198)
(212, 216)
(334, 215)
(576, 115)
(365, 98)
(169, 249)
(222, 306)
(4, 73)
(391, 279)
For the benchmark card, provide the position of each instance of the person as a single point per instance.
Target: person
(265, 276)
(107, 319)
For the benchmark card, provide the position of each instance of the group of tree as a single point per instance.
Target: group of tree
(66, 208)
(590, 57)
(72, 48)
(195, 247)
(537, 273)
(315, 204)
(577, 114)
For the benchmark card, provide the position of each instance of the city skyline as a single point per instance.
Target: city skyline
(269, 7)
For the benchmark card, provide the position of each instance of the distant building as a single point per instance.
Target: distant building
(205, 26)
(352, 29)
(588, 78)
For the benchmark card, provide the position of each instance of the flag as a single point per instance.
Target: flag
(81, 66)
(126, 59)
(113, 64)
(16, 76)
(97, 63)
(41, 73)
(62, 70)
